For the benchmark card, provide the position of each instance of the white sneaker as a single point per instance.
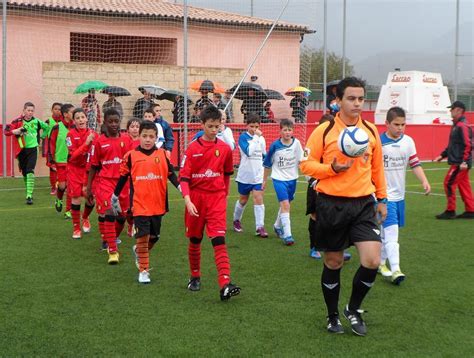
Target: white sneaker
(134, 249)
(144, 277)
(384, 270)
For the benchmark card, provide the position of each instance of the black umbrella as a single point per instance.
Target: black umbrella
(331, 84)
(116, 91)
(243, 92)
(275, 95)
(170, 95)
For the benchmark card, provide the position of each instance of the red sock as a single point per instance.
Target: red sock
(223, 264)
(194, 255)
(119, 224)
(109, 233)
(68, 202)
(60, 194)
(87, 211)
(53, 177)
(101, 220)
(76, 216)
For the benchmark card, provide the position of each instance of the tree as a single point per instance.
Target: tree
(311, 66)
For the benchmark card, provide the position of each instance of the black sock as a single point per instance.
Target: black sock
(363, 281)
(331, 285)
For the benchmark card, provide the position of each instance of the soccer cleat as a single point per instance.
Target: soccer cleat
(76, 235)
(261, 232)
(86, 226)
(315, 254)
(194, 284)
(288, 241)
(53, 191)
(104, 246)
(144, 277)
(228, 291)
(29, 200)
(347, 256)
(446, 215)
(238, 226)
(58, 205)
(113, 258)
(466, 215)
(384, 271)
(356, 321)
(398, 277)
(67, 215)
(334, 324)
(134, 249)
(278, 231)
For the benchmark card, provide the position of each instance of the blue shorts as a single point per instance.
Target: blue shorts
(245, 189)
(285, 190)
(395, 214)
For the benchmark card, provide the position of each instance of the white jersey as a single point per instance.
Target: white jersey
(397, 155)
(252, 152)
(284, 160)
(226, 136)
(160, 138)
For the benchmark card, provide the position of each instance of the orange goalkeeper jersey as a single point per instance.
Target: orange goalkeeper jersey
(364, 177)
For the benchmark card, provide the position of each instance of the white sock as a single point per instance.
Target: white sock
(285, 221)
(278, 219)
(383, 252)
(392, 248)
(238, 211)
(259, 211)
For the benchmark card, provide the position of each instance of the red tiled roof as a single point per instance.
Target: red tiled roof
(155, 8)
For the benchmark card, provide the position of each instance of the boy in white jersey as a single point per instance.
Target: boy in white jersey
(250, 175)
(282, 160)
(398, 151)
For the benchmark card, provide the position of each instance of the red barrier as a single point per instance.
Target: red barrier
(10, 155)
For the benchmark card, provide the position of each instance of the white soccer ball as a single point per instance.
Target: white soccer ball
(353, 142)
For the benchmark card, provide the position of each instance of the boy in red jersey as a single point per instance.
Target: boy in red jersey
(205, 177)
(105, 158)
(52, 121)
(79, 141)
(148, 168)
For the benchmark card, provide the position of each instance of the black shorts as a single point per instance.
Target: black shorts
(27, 160)
(341, 222)
(147, 225)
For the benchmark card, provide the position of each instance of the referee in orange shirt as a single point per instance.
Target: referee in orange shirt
(345, 206)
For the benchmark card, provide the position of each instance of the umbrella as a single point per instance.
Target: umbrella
(298, 89)
(170, 95)
(89, 85)
(116, 91)
(207, 85)
(152, 89)
(275, 95)
(331, 84)
(243, 91)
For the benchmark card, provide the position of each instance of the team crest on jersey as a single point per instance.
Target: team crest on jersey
(68, 141)
(122, 144)
(157, 160)
(217, 153)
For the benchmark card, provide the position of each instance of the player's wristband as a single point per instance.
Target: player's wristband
(382, 201)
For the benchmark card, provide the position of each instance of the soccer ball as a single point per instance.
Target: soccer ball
(353, 142)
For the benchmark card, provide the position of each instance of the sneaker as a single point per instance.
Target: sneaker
(130, 231)
(261, 232)
(58, 205)
(228, 291)
(347, 256)
(446, 215)
(466, 215)
(238, 226)
(76, 235)
(53, 191)
(315, 254)
(288, 241)
(384, 271)
(356, 321)
(67, 215)
(113, 258)
(278, 231)
(398, 277)
(144, 277)
(134, 249)
(86, 226)
(29, 201)
(334, 324)
(194, 284)
(104, 246)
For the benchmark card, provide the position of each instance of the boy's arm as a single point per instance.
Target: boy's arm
(228, 137)
(266, 174)
(52, 144)
(172, 175)
(267, 165)
(415, 165)
(14, 128)
(169, 138)
(228, 170)
(420, 174)
(90, 179)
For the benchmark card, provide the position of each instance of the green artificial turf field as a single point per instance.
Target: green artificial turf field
(60, 298)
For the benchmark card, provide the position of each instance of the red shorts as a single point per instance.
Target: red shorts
(212, 215)
(61, 170)
(103, 190)
(75, 181)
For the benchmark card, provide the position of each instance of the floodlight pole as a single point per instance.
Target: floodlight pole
(4, 86)
(344, 39)
(185, 70)
(456, 53)
(325, 57)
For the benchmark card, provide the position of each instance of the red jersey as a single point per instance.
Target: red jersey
(79, 151)
(107, 153)
(205, 165)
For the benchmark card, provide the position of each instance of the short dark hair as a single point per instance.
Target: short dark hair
(111, 112)
(326, 118)
(56, 104)
(348, 82)
(77, 110)
(149, 110)
(210, 113)
(286, 123)
(153, 105)
(28, 104)
(132, 120)
(218, 95)
(395, 112)
(253, 118)
(65, 108)
(147, 125)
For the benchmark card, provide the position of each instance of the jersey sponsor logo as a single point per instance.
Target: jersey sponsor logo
(68, 141)
(116, 160)
(207, 174)
(149, 176)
